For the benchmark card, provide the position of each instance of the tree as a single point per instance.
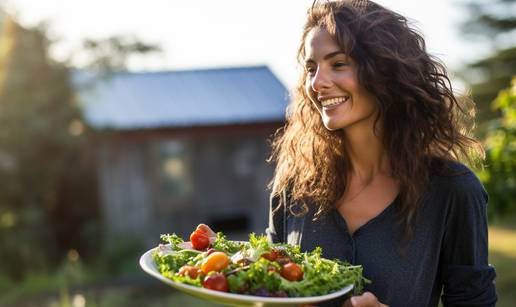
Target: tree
(491, 23)
(499, 176)
(112, 53)
(488, 77)
(47, 178)
(37, 144)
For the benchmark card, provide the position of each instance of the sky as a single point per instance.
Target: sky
(223, 33)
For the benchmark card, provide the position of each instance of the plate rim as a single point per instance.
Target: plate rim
(147, 264)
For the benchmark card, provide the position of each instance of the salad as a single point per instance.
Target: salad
(256, 267)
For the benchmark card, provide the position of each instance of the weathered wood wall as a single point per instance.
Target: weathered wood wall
(228, 176)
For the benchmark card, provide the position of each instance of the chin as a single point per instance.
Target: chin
(332, 125)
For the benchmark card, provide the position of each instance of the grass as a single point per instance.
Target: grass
(113, 297)
(502, 255)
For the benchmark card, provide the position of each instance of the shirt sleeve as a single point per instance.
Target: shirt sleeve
(467, 277)
(276, 228)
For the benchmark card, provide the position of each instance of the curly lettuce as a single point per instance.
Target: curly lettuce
(258, 275)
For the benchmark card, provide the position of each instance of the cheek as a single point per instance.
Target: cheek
(367, 106)
(370, 102)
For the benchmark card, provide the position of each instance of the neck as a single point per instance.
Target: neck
(366, 153)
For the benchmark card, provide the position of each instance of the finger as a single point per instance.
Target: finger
(366, 299)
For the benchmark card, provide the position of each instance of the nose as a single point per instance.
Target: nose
(320, 81)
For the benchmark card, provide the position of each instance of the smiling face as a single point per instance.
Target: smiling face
(332, 84)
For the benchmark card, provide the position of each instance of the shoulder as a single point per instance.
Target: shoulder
(456, 196)
(456, 179)
(457, 192)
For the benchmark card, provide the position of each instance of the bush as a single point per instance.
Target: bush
(499, 175)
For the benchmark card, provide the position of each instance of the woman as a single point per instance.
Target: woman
(367, 166)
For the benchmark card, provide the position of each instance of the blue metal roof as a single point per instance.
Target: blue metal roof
(128, 101)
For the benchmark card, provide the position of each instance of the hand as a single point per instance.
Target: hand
(365, 300)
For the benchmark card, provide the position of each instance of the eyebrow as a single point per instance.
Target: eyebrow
(328, 56)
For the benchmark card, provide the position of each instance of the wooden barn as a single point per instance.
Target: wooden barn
(179, 148)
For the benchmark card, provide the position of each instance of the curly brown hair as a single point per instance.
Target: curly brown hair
(425, 121)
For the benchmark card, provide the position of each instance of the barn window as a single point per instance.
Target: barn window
(175, 177)
(243, 159)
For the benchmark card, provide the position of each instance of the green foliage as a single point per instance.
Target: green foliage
(112, 53)
(490, 23)
(48, 203)
(70, 273)
(36, 148)
(488, 77)
(119, 256)
(499, 176)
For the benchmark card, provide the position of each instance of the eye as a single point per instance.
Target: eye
(310, 70)
(339, 64)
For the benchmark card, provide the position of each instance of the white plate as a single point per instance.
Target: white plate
(233, 299)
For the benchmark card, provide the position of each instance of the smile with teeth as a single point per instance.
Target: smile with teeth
(334, 101)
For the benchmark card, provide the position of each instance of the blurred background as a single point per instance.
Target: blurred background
(122, 120)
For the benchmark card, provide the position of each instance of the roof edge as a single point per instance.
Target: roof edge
(183, 70)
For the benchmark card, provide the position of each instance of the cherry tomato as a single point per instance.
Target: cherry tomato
(217, 282)
(189, 270)
(216, 261)
(292, 272)
(199, 240)
(271, 256)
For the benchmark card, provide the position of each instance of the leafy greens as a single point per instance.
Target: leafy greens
(251, 272)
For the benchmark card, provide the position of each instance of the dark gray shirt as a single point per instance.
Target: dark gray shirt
(446, 255)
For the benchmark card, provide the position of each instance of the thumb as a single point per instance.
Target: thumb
(366, 299)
